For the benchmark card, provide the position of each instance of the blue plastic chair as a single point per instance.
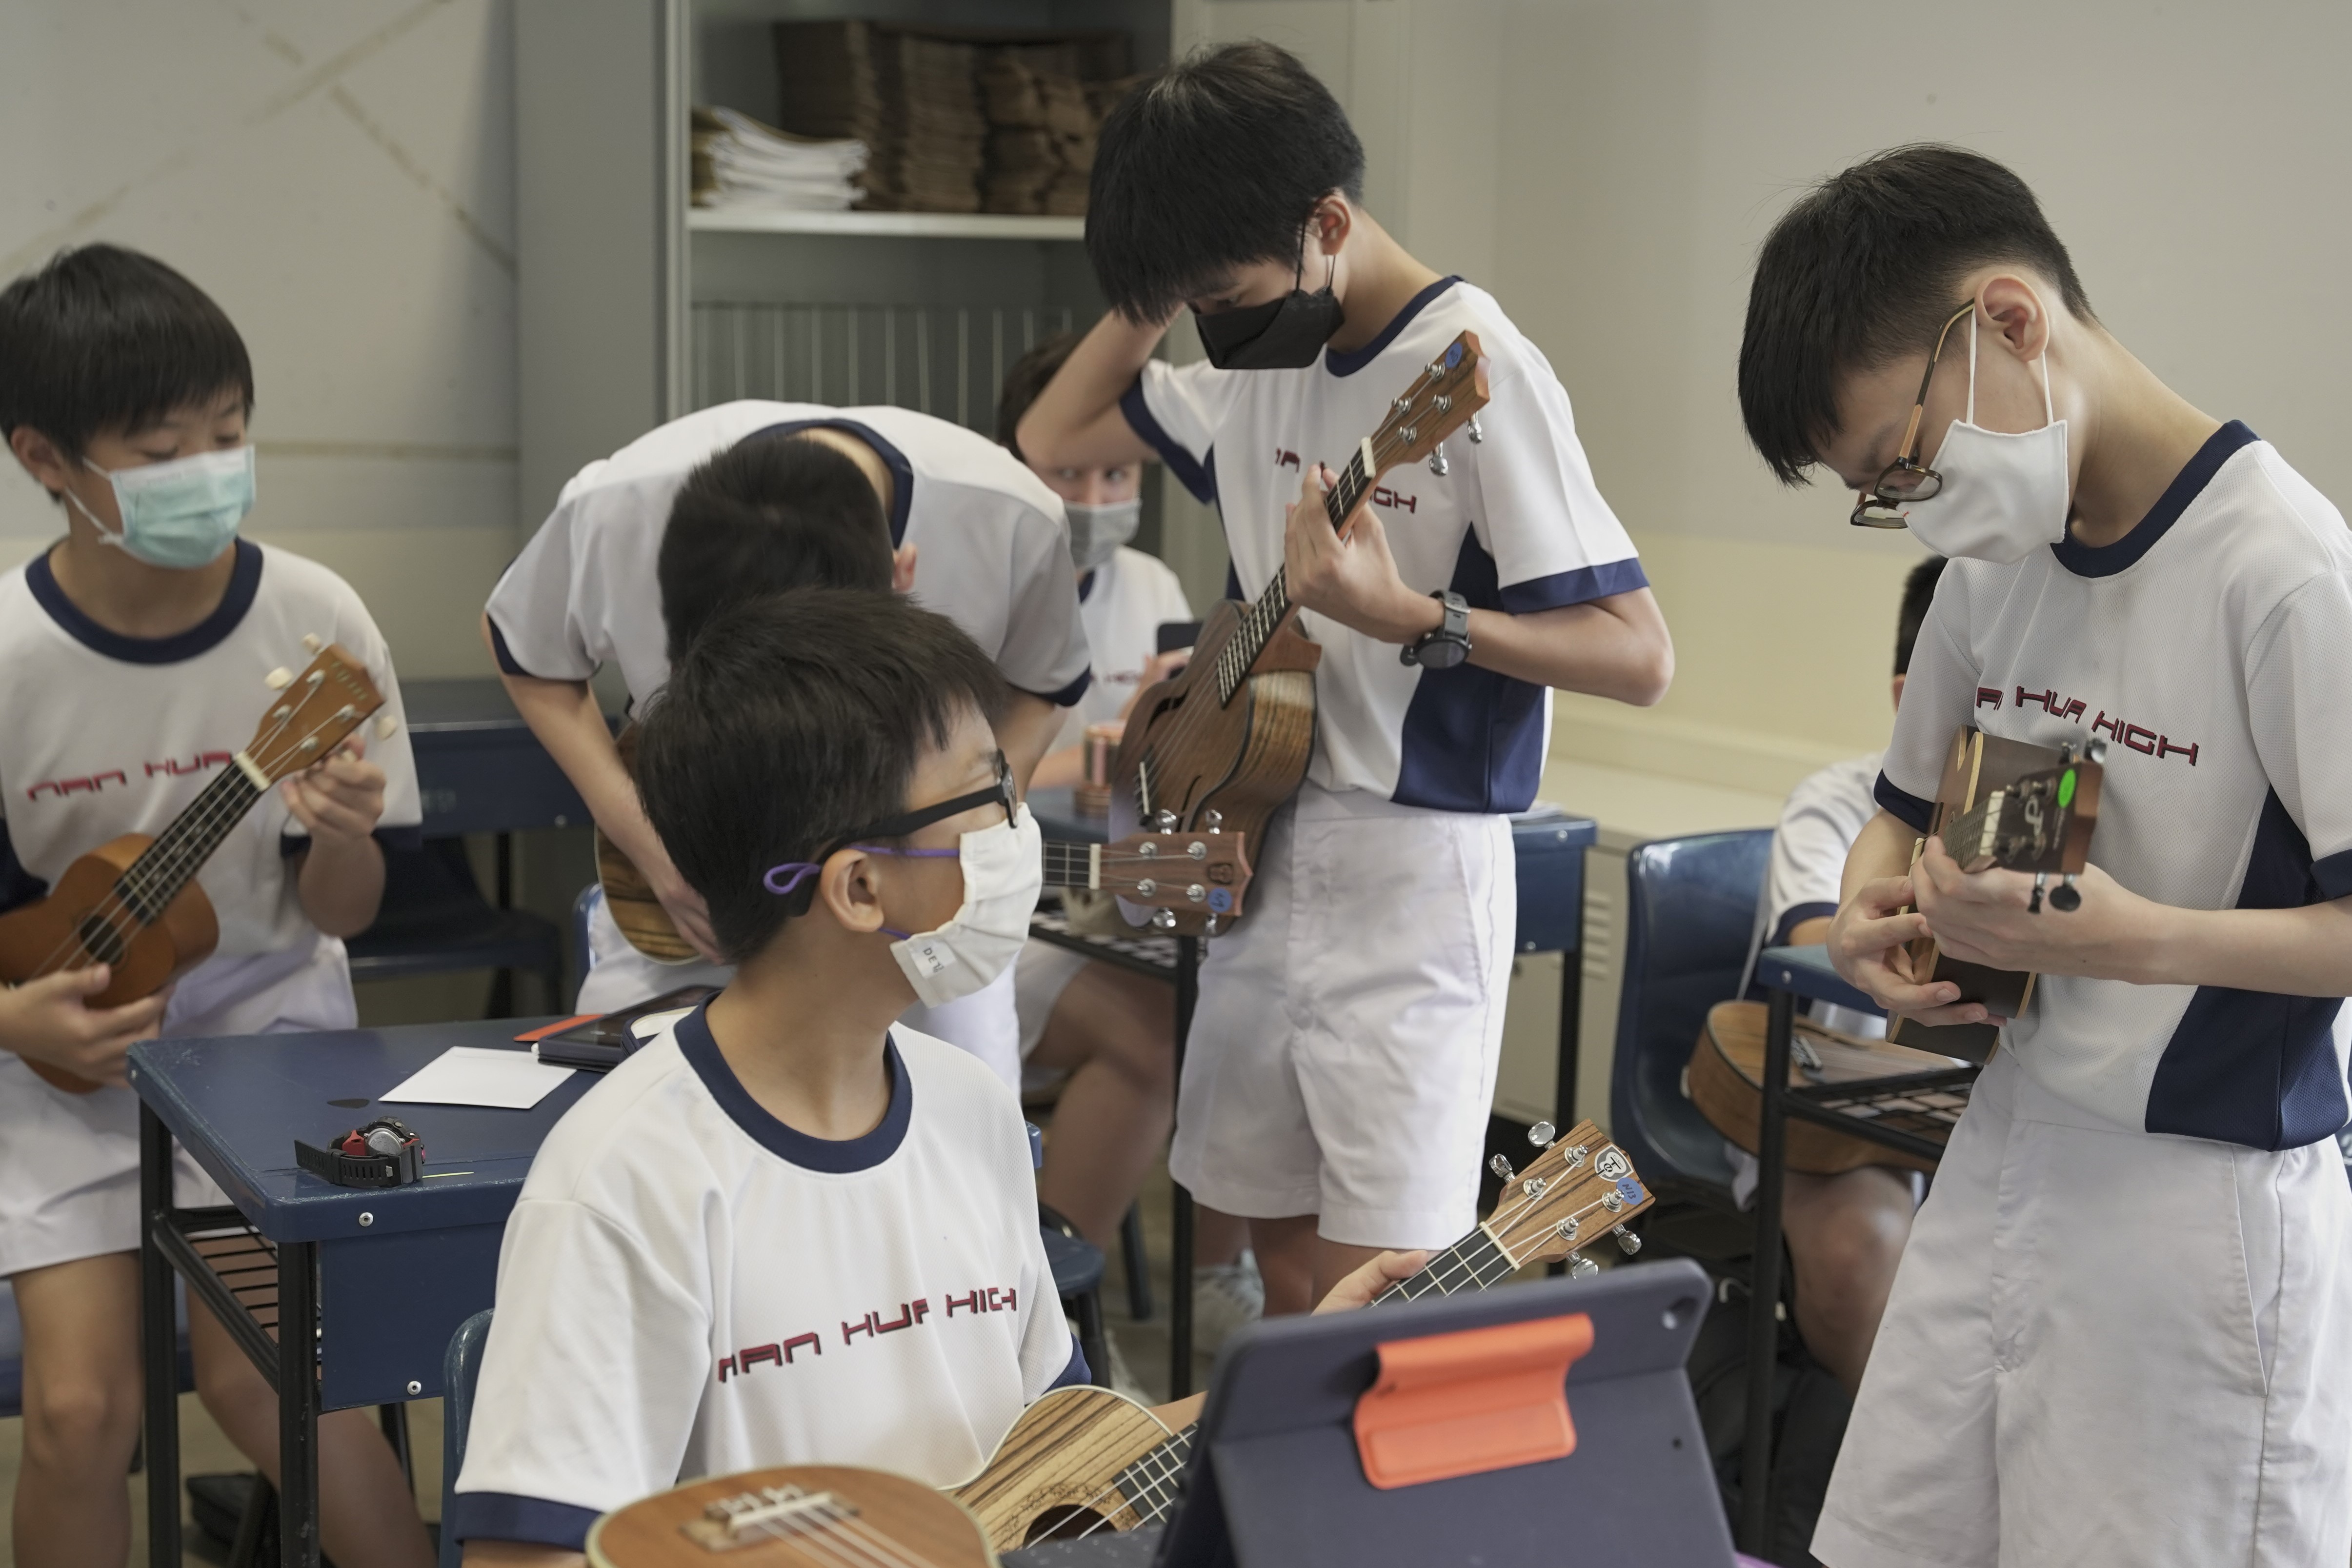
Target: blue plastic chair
(461, 1369)
(1690, 908)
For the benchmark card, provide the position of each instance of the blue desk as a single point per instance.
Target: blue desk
(375, 1281)
(478, 766)
(1857, 1108)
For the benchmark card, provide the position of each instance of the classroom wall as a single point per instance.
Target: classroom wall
(339, 178)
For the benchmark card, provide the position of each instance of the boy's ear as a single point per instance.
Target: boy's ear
(2013, 308)
(1334, 221)
(902, 569)
(846, 887)
(41, 457)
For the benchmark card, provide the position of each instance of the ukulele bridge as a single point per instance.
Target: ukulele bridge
(768, 1514)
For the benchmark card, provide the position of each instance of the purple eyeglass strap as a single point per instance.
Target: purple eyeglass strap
(801, 870)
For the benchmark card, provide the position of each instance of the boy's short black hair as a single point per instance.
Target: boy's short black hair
(1918, 592)
(107, 339)
(1213, 164)
(770, 513)
(1865, 269)
(1025, 381)
(798, 719)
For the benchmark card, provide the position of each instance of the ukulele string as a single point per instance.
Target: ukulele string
(863, 1546)
(63, 955)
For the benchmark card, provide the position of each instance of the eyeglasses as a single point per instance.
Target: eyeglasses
(800, 884)
(1906, 479)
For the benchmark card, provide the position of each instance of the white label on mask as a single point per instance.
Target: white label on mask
(931, 956)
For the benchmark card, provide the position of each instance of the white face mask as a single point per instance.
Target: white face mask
(1003, 871)
(2003, 495)
(1098, 531)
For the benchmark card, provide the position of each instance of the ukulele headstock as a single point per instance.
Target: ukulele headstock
(1580, 1188)
(313, 714)
(1447, 394)
(2033, 814)
(1192, 873)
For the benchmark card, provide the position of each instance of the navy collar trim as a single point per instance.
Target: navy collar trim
(244, 582)
(836, 1157)
(2106, 559)
(902, 473)
(1354, 359)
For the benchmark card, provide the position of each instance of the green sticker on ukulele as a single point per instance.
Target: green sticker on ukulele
(2066, 789)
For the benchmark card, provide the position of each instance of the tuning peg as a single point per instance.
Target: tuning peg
(1568, 1228)
(1197, 850)
(1211, 926)
(1145, 887)
(386, 724)
(1627, 1242)
(1165, 821)
(1575, 1156)
(2041, 881)
(1534, 1186)
(2066, 898)
(1581, 1266)
(278, 679)
(1195, 893)
(313, 641)
(1437, 463)
(1541, 1134)
(1164, 919)
(1501, 1166)
(1214, 821)
(1472, 430)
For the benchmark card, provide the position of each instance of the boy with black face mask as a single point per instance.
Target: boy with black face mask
(1341, 1065)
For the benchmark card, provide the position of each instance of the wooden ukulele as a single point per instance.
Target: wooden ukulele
(1227, 739)
(796, 1516)
(133, 902)
(1086, 1459)
(1208, 871)
(1726, 1084)
(2020, 807)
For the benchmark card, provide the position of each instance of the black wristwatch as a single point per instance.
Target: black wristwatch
(1449, 645)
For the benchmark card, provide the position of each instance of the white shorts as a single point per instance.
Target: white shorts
(620, 976)
(2106, 1348)
(70, 1162)
(1039, 978)
(1341, 1061)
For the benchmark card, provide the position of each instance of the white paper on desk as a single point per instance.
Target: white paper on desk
(477, 1075)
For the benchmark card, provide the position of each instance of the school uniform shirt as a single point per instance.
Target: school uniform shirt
(1517, 524)
(688, 1287)
(991, 549)
(2210, 648)
(1122, 603)
(102, 734)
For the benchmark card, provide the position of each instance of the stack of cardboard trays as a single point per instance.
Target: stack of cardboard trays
(741, 163)
(955, 121)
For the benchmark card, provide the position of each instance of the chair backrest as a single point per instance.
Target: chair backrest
(576, 959)
(1690, 906)
(461, 1369)
(11, 1357)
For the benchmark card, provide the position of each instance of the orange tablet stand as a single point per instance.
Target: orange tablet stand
(1465, 1403)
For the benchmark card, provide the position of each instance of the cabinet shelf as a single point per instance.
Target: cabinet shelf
(910, 226)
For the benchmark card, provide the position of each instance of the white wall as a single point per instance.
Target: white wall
(339, 178)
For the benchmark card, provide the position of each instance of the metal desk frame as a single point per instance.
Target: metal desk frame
(1787, 974)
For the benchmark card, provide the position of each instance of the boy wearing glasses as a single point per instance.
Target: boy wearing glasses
(2122, 1330)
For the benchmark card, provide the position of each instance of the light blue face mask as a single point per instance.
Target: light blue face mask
(181, 513)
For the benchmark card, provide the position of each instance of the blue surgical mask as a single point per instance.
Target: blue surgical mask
(181, 513)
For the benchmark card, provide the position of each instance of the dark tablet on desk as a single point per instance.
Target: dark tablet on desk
(605, 1042)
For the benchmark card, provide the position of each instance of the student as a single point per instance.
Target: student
(1845, 1232)
(1110, 1032)
(1340, 1069)
(976, 537)
(787, 1231)
(2119, 1331)
(136, 651)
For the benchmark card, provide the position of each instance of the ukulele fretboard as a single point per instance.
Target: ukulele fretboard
(1072, 865)
(1259, 621)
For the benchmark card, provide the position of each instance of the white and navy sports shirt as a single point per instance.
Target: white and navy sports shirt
(2212, 649)
(1124, 601)
(688, 1287)
(1518, 525)
(102, 734)
(993, 552)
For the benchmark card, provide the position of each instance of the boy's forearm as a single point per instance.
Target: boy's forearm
(1616, 646)
(1027, 727)
(1883, 848)
(2304, 951)
(340, 884)
(565, 717)
(1076, 421)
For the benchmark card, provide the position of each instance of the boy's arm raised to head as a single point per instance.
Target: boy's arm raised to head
(565, 717)
(1075, 421)
(1025, 731)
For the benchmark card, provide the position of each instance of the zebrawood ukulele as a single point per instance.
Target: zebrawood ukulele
(797, 1516)
(1227, 740)
(133, 902)
(2019, 807)
(1086, 1459)
(1207, 870)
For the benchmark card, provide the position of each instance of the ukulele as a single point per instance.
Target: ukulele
(1726, 1084)
(1085, 1459)
(1208, 871)
(133, 902)
(1227, 739)
(2019, 807)
(796, 1516)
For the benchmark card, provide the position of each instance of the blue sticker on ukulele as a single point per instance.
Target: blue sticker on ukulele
(1630, 1190)
(1452, 355)
(1221, 899)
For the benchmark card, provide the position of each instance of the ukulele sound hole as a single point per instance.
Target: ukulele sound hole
(100, 939)
(1066, 1523)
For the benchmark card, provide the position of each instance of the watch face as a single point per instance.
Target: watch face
(1440, 653)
